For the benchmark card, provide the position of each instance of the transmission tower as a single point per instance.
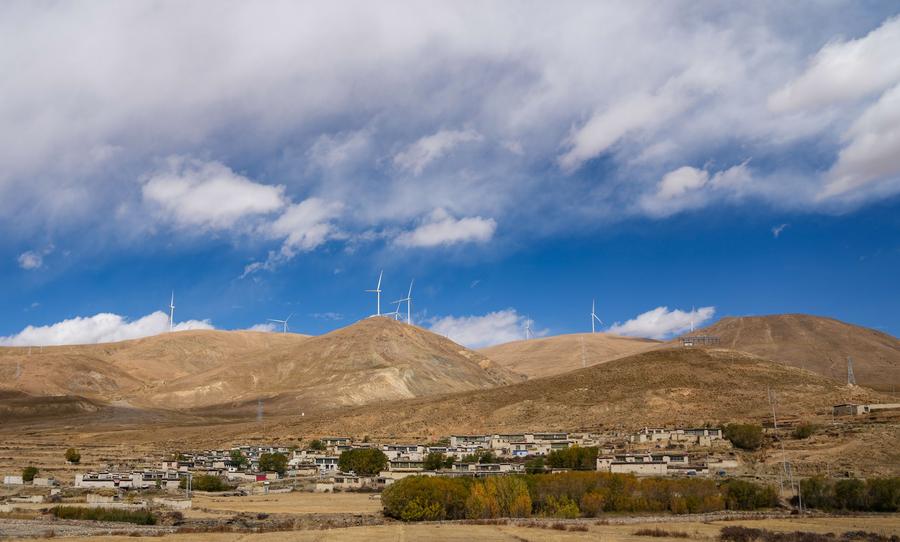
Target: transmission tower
(851, 380)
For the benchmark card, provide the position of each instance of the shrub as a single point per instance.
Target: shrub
(273, 462)
(805, 430)
(561, 507)
(850, 494)
(592, 504)
(421, 497)
(503, 496)
(483, 456)
(817, 493)
(363, 461)
(535, 465)
(72, 456)
(661, 533)
(317, 445)
(884, 494)
(29, 472)
(206, 482)
(139, 517)
(744, 435)
(744, 495)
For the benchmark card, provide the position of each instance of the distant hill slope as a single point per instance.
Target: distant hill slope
(113, 371)
(815, 343)
(673, 386)
(376, 359)
(547, 356)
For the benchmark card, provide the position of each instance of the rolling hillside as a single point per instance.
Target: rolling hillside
(818, 344)
(376, 359)
(548, 356)
(673, 386)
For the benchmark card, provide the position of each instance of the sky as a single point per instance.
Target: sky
(673, 163)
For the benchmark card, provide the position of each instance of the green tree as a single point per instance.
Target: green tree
(745, 436)
(29, 472)
(817, 493)
(534, 465)
(238, 458)
(884, 494)
(850, 494)
(481, 456)
(273, 462)
(72, 456)
(206, 482)
(317, 445)
(437, 461)
(363, 461)
(574, 457)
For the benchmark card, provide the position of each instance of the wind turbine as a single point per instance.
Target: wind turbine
(527, 329)
(172, 312)
(692, 318)
(377, 292)
(408, 301)
(284, 322)
(594, 316)
(396, 313)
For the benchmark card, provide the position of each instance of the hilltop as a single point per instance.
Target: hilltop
(559, 354)
(376, 359)
(816, 343)
(672, 386)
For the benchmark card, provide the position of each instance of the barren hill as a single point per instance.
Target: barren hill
(376, 359)
(674, 386)
(536, 358)
(815, 343)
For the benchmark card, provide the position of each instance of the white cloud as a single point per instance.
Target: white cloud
(439, 228)
(690, 188)
(661, 323)
(430, 148)
(100, 328)
(776, 230)
(208, 194)
(606, 127)
(30, 260)
(33, 259)
(480, 331)
(871, 158)
(267, 327)
(845, 70)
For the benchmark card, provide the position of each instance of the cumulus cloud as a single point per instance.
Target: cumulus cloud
(267, 327)
(480, 331)
(440, 228)
(662, 323)
(430, 148)
(99, 328)
(689, 188)
(208, 194)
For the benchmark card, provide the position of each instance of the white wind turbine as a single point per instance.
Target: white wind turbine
(284, 322)
(594, 316)
(172, 312)
(377, 292)
(408, 301)
(692, 318)
(528, 334)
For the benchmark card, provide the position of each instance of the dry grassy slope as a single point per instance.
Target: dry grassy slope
(666, 386)
(816, 343)
(548, 356)
(116, 371)
(376, 359)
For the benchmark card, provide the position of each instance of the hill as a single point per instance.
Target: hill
(548, 356)
(376, 359)
(672, 386)
(816, 343)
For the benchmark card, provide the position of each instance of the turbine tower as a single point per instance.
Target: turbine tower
(692, 318)
(284, 322)
(851, 380)
(527, 329)
(408, 301)
(172, 312)
(594, 316)
(377, 292)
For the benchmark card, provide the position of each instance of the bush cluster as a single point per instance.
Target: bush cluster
(140, 517)
(745, 436)
(574, 457)
(565, 495)
(206, 482)
(874, 494)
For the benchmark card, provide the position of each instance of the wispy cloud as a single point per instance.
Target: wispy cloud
(33, 259)
(430, 148)
(776, 230)
(440, 228)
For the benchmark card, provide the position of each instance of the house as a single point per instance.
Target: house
(470, 441)
(13, 480)
(851, 409)
(642, 464)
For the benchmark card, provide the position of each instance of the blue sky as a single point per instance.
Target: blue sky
(516, 161)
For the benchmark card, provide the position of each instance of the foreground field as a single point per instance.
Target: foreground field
(293, 503)
(696, 530)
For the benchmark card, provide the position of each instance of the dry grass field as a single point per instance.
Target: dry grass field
(293, 503)
(513, 533)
